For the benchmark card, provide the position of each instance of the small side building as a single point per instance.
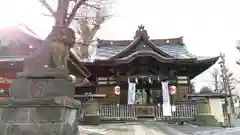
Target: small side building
(211, 108)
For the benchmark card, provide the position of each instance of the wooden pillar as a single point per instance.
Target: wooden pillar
(97, 86)
(189, 90)
(117, 75)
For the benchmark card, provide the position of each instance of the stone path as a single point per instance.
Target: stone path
(133, 128)
(154, 128)
(190, 129)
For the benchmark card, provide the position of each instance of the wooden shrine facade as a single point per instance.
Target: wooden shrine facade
(147, 61)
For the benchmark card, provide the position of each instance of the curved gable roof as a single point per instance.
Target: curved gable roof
(136, 43)
(173, 48)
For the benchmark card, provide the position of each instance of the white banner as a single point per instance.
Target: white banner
(131, 93)
(166, 100)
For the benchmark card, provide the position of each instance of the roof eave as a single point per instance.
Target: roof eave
(79, 65)
(133, 56)
(208, 95)
(212, 60)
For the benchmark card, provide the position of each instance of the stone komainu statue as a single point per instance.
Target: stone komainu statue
(60, 46)
(54, 51)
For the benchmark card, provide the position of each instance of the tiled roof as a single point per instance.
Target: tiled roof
(15, 43)
(105, 52)
(176, 51)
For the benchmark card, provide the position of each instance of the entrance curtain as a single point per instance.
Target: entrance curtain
(131, 92)
(167, 111)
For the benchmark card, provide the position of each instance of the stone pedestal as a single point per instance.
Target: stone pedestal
(42, 85)
(53, 116)
(39, 105)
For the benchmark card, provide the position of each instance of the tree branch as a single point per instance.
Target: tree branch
(98, 22)
(74, 11)
(94, 31)
(47, 6)
(27, 28)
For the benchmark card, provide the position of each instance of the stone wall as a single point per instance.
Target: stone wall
(53, 116)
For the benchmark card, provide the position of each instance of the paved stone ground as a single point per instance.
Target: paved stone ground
(154, 128)
(132, 128)
(189, 129)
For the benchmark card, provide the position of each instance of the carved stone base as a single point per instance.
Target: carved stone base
(42, 85)
(40, 103)
(53, 116)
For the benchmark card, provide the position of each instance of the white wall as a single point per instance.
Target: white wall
(216, 109)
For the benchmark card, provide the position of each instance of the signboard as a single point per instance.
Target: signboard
(167, 110)
(131, 93)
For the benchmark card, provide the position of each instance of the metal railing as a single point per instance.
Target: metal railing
(128, 112)
(181, 112)
(117, 112)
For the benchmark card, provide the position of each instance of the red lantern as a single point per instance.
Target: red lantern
(172, 90)
(117, 90)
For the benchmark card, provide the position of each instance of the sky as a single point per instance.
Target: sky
(208, 26)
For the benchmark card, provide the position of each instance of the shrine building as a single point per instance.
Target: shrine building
(143, 64)
(139, 67)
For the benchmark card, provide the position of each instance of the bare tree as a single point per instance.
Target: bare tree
(216, 80)
(86, 21)
(60, 39)
(228, 81)
(192, 85)
(238, 48)
(88, 24)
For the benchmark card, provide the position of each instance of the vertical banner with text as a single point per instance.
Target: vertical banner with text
(131, 92)
(166, 100)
